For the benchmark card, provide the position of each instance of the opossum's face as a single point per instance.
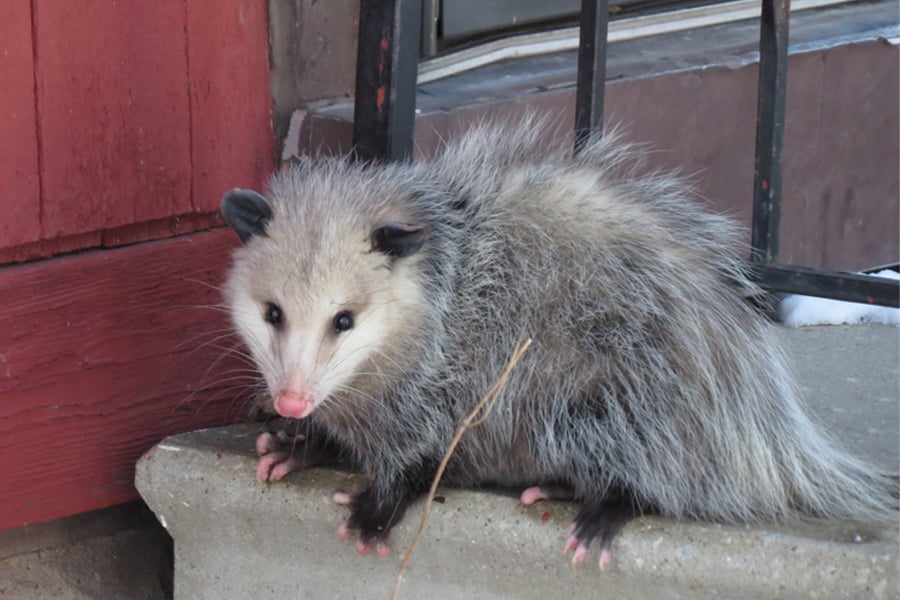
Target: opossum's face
(318, 309)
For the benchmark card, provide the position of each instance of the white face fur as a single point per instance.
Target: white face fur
(322, 317)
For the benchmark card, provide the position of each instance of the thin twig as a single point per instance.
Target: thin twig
(486, 404)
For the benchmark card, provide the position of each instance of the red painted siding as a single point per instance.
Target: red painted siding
(102, 355)
(115, 124)
(144, 112)
(120, 124)
(19, 184)
(230, 97)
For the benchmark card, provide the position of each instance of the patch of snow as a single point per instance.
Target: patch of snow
(798, 311)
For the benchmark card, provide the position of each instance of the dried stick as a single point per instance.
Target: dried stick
(486, 404)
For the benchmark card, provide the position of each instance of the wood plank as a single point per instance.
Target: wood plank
(19, 178)
(103, 354)
(47, 248)
(230, 97)
(111, 238)
(114, 113)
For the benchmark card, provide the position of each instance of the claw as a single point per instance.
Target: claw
(579, 555)
(571, 543)
(605, 557)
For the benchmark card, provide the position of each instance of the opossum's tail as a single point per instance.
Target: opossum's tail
(824, 480)
(754, 454)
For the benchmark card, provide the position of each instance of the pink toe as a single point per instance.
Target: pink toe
(342, 498)
(532, 495)
(362, 547)
(344, 532)
(571, 543)
(580, 554)
(382, 549)
(265, 443)
(264, 467)
(283, 468)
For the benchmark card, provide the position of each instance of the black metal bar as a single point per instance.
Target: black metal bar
(430, 13)
(386, 69)
(773, 54)
(827, 284)
(591, 70)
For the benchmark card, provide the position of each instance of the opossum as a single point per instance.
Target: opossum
(380, 302)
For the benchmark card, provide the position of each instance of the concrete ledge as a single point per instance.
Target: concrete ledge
(235, 538)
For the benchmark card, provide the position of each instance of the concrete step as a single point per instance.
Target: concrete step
(235, 538)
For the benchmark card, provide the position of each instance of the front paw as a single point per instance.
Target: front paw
(371, 520)
(281, 453)
(276, 455)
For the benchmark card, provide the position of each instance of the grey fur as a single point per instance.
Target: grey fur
(648, 370)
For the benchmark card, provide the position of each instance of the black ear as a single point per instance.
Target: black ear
(399, 239)
(247, 212)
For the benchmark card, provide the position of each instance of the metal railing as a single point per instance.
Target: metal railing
(384, 116)
(386, 64)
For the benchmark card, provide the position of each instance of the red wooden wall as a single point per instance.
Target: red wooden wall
(116, 114)
(119, 123)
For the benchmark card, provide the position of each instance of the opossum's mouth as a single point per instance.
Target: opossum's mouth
(294, 405)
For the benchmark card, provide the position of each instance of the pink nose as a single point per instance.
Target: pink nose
(293, 404)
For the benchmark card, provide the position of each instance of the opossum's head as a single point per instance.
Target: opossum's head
(324, 294)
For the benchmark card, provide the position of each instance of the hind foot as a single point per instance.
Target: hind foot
(601, 519)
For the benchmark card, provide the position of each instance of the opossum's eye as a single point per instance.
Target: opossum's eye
(343, 321)
(274, 315)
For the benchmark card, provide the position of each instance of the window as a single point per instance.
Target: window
(453, 24)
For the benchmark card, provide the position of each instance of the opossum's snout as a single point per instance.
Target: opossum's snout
(303, 380)
(303, 375)
(294, 405)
